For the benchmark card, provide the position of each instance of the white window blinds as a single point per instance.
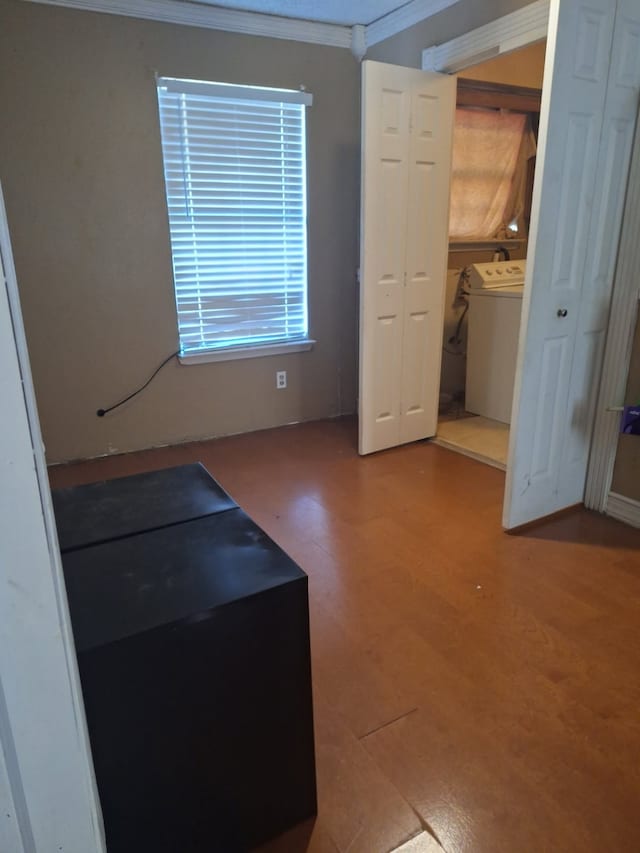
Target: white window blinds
(234, 160)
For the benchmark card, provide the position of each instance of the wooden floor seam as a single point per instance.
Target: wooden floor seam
(388, 723)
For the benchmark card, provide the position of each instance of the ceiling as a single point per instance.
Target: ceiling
(344, 12)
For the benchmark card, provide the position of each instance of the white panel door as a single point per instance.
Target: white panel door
(616, 145)
(427, 237)
(407, 125)
(584, 149)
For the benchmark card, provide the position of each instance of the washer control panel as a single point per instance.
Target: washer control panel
(497, 274)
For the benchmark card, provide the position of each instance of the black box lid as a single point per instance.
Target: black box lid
(111, 509)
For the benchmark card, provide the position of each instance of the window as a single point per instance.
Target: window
(491, 150)
(235, 174)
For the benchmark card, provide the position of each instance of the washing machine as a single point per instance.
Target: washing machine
(495, 309)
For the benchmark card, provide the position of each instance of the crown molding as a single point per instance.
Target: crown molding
(356, 39)
(518, 29)
(216, 18)
(401, 19)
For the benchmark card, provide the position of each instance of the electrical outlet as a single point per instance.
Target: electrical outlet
(281, 379)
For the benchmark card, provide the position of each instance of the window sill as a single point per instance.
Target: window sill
(259, 351)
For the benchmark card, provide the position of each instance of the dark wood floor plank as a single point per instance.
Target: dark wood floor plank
(350, 678)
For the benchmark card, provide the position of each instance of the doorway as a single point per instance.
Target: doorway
(496, 100)
(588, 112)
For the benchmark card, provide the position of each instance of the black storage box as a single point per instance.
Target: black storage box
(193, 648)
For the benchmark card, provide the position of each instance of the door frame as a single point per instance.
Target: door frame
(20, 762)
(519, 29)
(511, 32)
(47, 786)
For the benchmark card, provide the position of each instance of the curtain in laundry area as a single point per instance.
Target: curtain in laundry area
(490, 153)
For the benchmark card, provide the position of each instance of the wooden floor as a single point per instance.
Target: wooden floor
(469, 685)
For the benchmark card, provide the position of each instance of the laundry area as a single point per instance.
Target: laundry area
(474, 419)
(494, 150)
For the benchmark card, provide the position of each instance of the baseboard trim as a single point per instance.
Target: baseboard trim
(179, 442)
(623, 509)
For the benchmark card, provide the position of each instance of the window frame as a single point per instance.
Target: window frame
(249, 93)
(501, 96)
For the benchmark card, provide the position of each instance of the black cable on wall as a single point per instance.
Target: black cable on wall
(102, 412)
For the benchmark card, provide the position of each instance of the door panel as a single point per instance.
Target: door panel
(581, 151)
(432, 111)
(387, 358)
(593, 309)
(554, 373)
(584, 150)
(406, 163)
(417, 332)
(385, 134)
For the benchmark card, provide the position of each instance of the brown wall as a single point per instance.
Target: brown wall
(626, 474)
(524, 67)
(81, 167)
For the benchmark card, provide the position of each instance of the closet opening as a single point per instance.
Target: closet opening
(494, 155)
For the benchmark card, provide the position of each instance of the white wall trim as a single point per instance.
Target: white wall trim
(518, 29)
(356, 38)
(623, 509)
(403, 18)
(216, 18)
(257, 351)
(617, 354)
(358, 41)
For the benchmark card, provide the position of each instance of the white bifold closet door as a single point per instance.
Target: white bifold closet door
(590, 97)
(407, 127)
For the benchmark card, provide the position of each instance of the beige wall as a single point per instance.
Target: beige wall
(524, 67)
(626, 474)
(81, 166)
(406, 47)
